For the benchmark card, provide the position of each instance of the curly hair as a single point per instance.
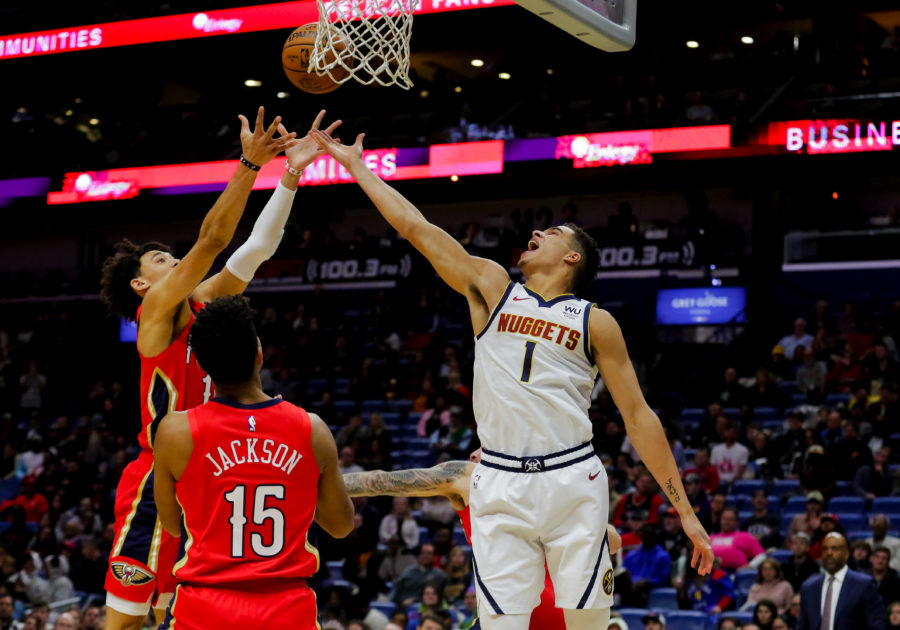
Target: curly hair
(223, 337)
(118, 272)
(586, 269)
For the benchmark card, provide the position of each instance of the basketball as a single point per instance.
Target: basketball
(295, 58)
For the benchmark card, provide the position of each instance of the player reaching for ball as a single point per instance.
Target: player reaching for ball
(540, 493)
(452, 480)
(162, 293)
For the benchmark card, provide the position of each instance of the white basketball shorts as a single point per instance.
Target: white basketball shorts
(531, 510)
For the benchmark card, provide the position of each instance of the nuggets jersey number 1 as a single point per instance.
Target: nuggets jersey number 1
(534, 373)
(171, 381)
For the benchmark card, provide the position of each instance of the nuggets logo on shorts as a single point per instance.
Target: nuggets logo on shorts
(608, 582)
(129, 574)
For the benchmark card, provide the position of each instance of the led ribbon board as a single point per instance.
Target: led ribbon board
(264, 17)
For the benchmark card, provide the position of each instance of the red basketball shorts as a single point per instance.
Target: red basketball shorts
(254, 605)
(143, 555)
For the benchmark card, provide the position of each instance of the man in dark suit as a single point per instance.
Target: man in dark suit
(840, 599)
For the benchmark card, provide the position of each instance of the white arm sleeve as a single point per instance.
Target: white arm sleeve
(265, 237)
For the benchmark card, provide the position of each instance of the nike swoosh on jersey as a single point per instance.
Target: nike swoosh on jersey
(519, 299)
(594, 476)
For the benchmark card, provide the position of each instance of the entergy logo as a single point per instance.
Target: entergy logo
(203, 22)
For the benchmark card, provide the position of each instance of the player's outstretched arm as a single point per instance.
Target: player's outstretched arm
(171, 450)
(644, 428)
(269, 227)
(476, 278)
(259, 147)
(334, 510)
(450, 479)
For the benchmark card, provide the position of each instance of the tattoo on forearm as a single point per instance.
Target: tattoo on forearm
(673, 493)
(403, 483)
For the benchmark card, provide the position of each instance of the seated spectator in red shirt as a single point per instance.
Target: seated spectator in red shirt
(632, 523)
(709, 475)
(827, 524)
(645, 496)
(34, 504)
(736, 549)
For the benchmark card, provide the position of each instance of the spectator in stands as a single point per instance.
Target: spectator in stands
(89, 566)
(811, 376)
(32, 384)
(732, 394)
(799, 566)
(727, 623)
(828, 524)
(880, 524)
(763, 526)
(409, 586)
(764, 614)
(885, 577)
(654, 621)
(711, 593)
(765, 393)
(860, 557)
(845, 373)
(401, 524)
(469, 609)
(707, 433)
(798, 338)
(645, 496)
(349, 434)
(433, 418)
(736, 549)
(833, 431)
(34, 504)
(347, 463)
(818, 471)
(894, 615)
(649, 566)
(879, 366)
(66, 621)
(377, 443)
(875, 479)
(437, 512)
(459, 575)
(432, 603)
(397, 559)
(430, 622)
(850, 453)
(771, 586)
(707, 474)
(7, 612)
(697, 497)
(855, 600)
(672, 537)
(633, 522)
(454, 439)
(92, 618)
(717, 504)
(763, 458)
(699, 112)
(730, 458)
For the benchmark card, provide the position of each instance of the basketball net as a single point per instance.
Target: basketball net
(369, 39)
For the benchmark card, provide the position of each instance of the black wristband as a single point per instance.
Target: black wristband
(249, 164)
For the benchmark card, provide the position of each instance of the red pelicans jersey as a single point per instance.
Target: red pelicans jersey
(248, 493)
(171, 381)
(546, 616)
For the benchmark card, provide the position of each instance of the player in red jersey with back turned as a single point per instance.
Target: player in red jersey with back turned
(240, 479)
(166, 293)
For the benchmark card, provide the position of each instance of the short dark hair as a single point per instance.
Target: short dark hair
(882, 550)
(586, 269)
(118, 272)
(224, 339)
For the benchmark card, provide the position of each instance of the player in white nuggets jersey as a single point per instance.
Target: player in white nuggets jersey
(540, 493)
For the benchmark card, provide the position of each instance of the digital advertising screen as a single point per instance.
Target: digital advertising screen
(701, 306)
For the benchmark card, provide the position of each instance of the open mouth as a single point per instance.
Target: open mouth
(532, 245)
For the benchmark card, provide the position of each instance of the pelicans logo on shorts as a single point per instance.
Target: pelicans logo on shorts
(608, 582)
(129, 574)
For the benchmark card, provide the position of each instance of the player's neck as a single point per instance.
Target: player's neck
(245, 393)
(548, 285)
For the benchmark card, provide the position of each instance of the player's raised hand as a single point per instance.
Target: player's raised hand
(702, 558)
(260, 145)
(345, 154)
(307, 149)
